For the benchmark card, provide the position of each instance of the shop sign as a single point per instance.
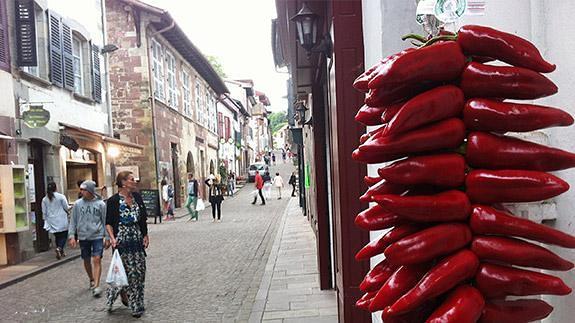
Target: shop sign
(36, 116)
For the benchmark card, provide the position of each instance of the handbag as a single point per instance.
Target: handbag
(116, 273)
(200, 206)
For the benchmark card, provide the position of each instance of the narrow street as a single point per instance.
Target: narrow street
(197, 271)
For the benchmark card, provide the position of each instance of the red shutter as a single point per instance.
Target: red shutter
(228, 128)
(220, 125)
(4, 48)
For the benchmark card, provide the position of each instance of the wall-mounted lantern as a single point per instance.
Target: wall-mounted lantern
(306, 25)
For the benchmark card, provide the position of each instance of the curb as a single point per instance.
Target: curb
(33, 273)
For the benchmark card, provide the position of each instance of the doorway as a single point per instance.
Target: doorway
(36, 160)
(175, 174)
(190, 166)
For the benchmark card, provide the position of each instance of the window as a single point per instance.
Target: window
(198, 102)
(158, 69)
(207, 113)
(220, 125)
(187, 94)
(171, 71)
(228, 128)
(78, 66)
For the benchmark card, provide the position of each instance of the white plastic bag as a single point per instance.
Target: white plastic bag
(200, 205)
(117, 274)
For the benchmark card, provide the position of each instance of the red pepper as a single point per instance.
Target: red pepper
(517, 252)
(449, 272)
(401, 281)
(490, 115)
(392, 94)
(479, 80)
(428, 244)
(383, 187)
(464, 304)
(434, 105)
(361, 82)
(417, 315)
(373, 157)
(440, 62)
(370, 180)
(377, 276)
(509, 48)
(371, 133)
(377, 246)
(500, 186)
(450, 205)
(376, 218)
(487, 220)
(517, 311)
(369, 116)
(365, 300)
(446, 170)
(496, 281)
(390, 112)
(445, 134)
(501, 152)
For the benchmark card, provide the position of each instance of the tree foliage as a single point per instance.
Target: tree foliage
(277, 120)
(217, 65)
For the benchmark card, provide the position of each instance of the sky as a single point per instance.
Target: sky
(238, 33)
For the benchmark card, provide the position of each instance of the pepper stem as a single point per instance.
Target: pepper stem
(440, 38)
(420, 38)
(462, 149)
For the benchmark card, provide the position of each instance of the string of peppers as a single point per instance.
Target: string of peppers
(452, 252)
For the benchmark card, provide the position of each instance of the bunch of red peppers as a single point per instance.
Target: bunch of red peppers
(452, 251)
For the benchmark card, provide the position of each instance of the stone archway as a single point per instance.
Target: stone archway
(190, 165)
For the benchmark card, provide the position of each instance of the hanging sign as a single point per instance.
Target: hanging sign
(36, 116)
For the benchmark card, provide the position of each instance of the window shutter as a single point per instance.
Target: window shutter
(228, 135)
(96, 79)
(4, 48)
(220, 125)
(26, 33)
(56, 68)
(68, 57)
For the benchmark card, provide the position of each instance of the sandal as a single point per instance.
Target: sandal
(92, 284)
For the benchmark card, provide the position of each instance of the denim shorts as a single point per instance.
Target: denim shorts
(91, 248)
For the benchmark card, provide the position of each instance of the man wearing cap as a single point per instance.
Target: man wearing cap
(88, 221)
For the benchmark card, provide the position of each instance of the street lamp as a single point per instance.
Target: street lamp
(306, 24)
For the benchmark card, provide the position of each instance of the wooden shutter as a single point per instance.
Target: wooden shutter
(68, 57)
(26, 33)
(220, 124)
(227, 124)
(96, 79)
(4, 48)
(56, 67)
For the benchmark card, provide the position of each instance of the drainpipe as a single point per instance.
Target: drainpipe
(108, 94)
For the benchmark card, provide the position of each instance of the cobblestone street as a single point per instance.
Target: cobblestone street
(197, 271)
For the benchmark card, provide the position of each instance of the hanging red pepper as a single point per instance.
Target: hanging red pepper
(365, 300)
(490, 115)
(440, 62)
(501, 186)
(376, 218)
(517, 252)
(487, 220)
(392, 94)
(416, 315)
(451, 205)
(449, 272)
(390, 112)
(446, 170)
(371, 180)
(377, 246)
(490, 151)
(445, 134)
(428, 244)
(371, 133)
(517, 311)
(377, 276)
(487, 81)
(373, 157)
(428, 107)
(383, 187)
(464, 304)
(506, 47)
(401, 281)
(496, 281)
(361, 82)
(369, 116)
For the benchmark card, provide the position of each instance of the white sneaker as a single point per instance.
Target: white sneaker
(213, 220)
(219, 220)
(97, 292)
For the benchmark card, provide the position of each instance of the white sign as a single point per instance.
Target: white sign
(31, 184)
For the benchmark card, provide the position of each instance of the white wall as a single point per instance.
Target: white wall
(6, 100)
(549, 25)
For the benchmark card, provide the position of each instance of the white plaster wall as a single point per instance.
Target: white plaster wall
(6, 100)
(549, 25)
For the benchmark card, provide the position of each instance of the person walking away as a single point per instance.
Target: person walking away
(292, 182)
(192, 200)
(88, 221)
(267, 185)
(279, 184)
(274, 159)
(259, 184)
(167, 196)
(55, 212)
(231, 183)
(215, 197)
(283, 156)
(126, 225)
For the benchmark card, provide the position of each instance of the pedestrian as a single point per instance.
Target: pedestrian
(284, 156)
(231, 183)
(279, 184)
(292, 182)
(267, 159)
(267, 185)
(88, 221)
(274, 159)
(215, 197)
(259, 184)
(192, 200)
(167, 197)
(55, 211)
(79, 182)
(128, 231)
